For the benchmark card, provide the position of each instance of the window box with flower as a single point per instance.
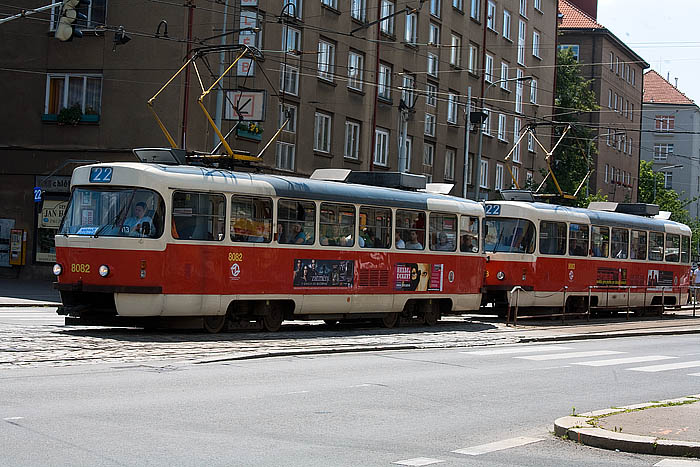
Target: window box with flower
(251, 130)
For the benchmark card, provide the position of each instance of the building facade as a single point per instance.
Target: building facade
(616, 74)
(360, 85)
(670, 129)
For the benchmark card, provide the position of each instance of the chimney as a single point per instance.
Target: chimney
(676, 82)
(590, 7)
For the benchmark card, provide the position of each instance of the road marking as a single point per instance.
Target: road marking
(497, 446)
(621, 361)
(419, 461)
(562, 356)
(677, 463)
(295, 392)
(511, 350)
(693, 374)
(13, 418)
(364, 385)
(668, 366)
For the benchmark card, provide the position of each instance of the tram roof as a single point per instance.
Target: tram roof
(194, 177)
(613, 219)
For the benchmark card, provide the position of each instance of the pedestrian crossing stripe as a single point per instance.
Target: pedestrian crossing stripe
(497, 446)
(668, 366)
(562, 356)
(622, 361)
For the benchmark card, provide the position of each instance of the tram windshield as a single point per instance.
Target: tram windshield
(505, 235)
(114, 212)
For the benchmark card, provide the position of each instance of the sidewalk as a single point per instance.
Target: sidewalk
(663, 428)
(22, 293)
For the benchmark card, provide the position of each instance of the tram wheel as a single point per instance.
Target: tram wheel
(214, 324)
(431, 313)
(272, 321)
(330, 322)
(390, 320)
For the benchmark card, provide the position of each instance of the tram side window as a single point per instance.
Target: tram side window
(469, 234)
(251, 219)
(638, 248)
(375, 227)
(600, 241)
(620, 243)
(673, 248)
(685, 249)
(578, 240)
(337, 225)
(296, 221)
(656, 246)
(410, 230)
(552, 238)
(198, 216)
(443, 232)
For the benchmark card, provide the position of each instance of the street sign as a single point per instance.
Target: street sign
(248, 106)
(37, 194)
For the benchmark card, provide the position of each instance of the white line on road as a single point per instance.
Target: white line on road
(677, 463)
(562, 356)
(668, 366)
(13, 418)
(497, 446)
(510, 350)
(622, 361)
(418, 461)
(295, 392)
(693, 374)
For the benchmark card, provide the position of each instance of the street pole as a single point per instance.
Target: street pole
(466, 141)
(222, 60)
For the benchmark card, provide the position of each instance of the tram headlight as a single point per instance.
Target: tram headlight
(103, 270)
(501, 275)
(57, 269)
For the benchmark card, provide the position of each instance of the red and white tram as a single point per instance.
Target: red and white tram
(544, 256)
(144, 243)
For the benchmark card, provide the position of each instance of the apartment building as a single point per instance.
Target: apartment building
(670, 129)
(380, 85)
(616, 72)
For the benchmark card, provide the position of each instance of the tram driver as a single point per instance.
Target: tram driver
(139, 224)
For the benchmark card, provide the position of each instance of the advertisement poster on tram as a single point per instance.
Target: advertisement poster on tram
(611, 276)
(323, 273)
(656, 278)
(419, 277)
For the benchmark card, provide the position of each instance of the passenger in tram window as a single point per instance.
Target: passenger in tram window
(413, 243)
(443, 243)
(399, 242)
(259, 236)
(299, 236)
(139, 224)
(280, 235)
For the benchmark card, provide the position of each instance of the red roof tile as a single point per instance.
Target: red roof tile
(659, 91)
(575, 18)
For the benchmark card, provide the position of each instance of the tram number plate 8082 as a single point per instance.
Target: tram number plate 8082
(493, 209)
(101, 174)
(77, 267)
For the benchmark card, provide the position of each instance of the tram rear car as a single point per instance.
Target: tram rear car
(228, 249)
(543, 257)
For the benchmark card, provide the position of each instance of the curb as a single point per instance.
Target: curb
(28, 305)
(582, 428)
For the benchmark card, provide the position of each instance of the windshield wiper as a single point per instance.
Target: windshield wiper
(120, 215)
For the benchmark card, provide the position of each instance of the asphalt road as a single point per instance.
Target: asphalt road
(377, 408)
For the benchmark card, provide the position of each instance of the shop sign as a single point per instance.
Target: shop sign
(53, 184)
(51, 213)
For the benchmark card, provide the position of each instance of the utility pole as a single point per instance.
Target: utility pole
(468, 116)
(185, 107)
(222, 68)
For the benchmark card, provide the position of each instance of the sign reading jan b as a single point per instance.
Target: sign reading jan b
(248, 106)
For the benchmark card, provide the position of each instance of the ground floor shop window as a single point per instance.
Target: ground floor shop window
(48, 221)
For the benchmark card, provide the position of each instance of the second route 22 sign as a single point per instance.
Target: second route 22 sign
(248, 106)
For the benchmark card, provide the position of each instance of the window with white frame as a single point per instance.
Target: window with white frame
(612, 61)
(356, 63)
(615, 102)
(94, 15)
(486, 124)
(408, 154)
(284, 156)
(484, 173)
(502, 127)
(292, 8)
(536, 43)
(573, 47)
(384, 84)
(662, 151)
(498, 181)
(452, 103)
(617, 66)
(381, 146)
(668, 180)
(67, 90)
(491, 15)
(610, 96)
(505, 68)
(516, 176)
(530, 142)
(488, 68)
(291, 39)
(522, 31)
(455, 50)
(523, 8)
(387, 25)
(287, 111)
(322, 132)
(665, 122)
(428, 153)
(326, 60)
(434, 37)
(631, 112)
(607, 173)
(629, 153)
(458, 4)
(516, 135)
(449, 164)
(358, 9)
(289, 79)
(352, 139)
(506, 24)
(632, 78)
(533, 91)
(433, 65)
(429, 125)
(435, 8)
(411, 29)
(519, 86)
(538, 5)
(473, 66)
(475, 10)
(330, 3)
(408, 89)
(627, 75)
(431, 94)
